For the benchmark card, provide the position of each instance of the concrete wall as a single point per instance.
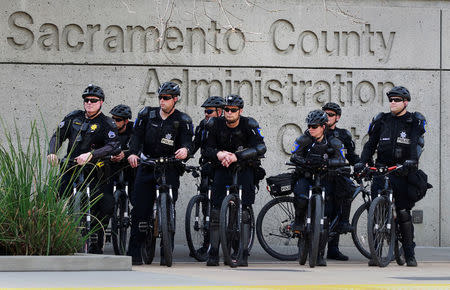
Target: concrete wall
(285, 58)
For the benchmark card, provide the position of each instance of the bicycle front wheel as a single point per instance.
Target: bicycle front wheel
(381, 231)
(359, 233)
(274, 229)
(196, 227)
(165, 216)
(314, 230)
(120, 225)
(230, 230)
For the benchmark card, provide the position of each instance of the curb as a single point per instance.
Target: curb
(77, 262)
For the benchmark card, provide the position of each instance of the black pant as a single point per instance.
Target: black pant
(223, 177)
(399, 186)
(145, 194)
(129, 175)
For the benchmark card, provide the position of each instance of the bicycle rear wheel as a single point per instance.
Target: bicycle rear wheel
(229, 229)
(252, 229)
(165, 216)
(381, 231)
(120, 224)
(274, 228)
(197, 232)
(314, 230)
(359, 233)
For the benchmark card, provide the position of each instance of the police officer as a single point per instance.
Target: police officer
(343, 186)
(397, 137)
(314, 150)
(213, 106)
(232, 138)
(121, 115)
(158, 132)
(92, 136)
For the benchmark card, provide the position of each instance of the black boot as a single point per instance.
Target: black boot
(134, 250)
(333, 252)
(213, 253)
(320, 259)
(322, 244)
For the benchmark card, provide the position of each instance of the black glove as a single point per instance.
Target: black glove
(298, 160)
(410, 164)
(359, 167)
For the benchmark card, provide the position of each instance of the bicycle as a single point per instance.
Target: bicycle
(197, 220)
(162, 224)
(120, 220)
(81, 202)
(382, 224)
(230, 224)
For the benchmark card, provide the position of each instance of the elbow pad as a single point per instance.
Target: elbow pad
(261, 149)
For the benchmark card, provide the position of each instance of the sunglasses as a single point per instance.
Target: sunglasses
(117, 119)
(313, 126)
(92, 101)
(166, 98)
(395, 100)
(233, 110)
(209, 111)
(331, 114)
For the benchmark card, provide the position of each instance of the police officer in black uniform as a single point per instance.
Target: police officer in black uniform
(232, 138)
(213, 106)
(92, 136)
(158, 132)
(343, 186)
(121, 115)
(397, 137)
(315, 150)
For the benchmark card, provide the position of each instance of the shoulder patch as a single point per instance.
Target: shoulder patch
(111, 134)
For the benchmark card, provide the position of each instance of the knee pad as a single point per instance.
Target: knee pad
(246, 217)
(301, 203)
(404, 216)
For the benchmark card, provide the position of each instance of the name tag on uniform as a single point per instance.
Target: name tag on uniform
(403, 140)
(167, 141)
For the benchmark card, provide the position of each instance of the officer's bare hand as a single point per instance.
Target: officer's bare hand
(229, 159)
(181, 153)
(133, 160)
(118, 157)
(83, 158)
(221, 155)
(52, 159)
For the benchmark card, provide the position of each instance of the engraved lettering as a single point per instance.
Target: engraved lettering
(78, 31)
(114, 43)
(174, 39)
(25, 38)
(50, 40)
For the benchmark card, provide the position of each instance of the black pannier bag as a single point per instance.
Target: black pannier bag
(418, 185)
(281, 184)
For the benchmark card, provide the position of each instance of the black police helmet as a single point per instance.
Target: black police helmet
(93, 90)
(234, 100)
(169, 88)
(399, 91)
(122, 111)
(317, 117)
(214, 101)
(332, 107)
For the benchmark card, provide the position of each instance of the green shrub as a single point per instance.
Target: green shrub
(33, 219)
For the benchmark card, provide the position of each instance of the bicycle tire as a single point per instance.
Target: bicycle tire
(379, 233)
(314, 231)
(359, 233)
(119, 226)
(165, 228)
(252, 228)
(148, 248)
(302, 249)
(275, 229)
(228, 228)
(195, 227)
